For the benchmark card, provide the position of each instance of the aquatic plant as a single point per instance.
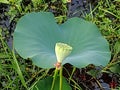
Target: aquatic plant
(37, 36)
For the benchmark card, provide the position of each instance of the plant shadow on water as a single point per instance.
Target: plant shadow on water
(79, 8)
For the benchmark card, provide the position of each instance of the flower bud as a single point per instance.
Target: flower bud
(62, 50)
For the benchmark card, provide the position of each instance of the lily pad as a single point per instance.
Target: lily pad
(36, 35)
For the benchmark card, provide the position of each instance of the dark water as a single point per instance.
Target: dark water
(101, 81)
(5, 24)
(80, 8)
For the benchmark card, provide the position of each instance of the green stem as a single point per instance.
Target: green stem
(74, 68)
(76, 86)
(14, 62)
(39, 78)
(17, 68)
(114, 57)
(109, 65)
(99, 84)
(61, 78)
(54, 77)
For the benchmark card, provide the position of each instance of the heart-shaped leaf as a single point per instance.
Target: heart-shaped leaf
(46, 84)
(36, 35)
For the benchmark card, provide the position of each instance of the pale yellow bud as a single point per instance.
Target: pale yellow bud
(62, 50)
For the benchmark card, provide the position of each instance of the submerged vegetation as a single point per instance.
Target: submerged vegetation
(19, 74)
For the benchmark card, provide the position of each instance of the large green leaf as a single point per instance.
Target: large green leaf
(88, 44)
(35, 37)
(36, 34)
(46, 84)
